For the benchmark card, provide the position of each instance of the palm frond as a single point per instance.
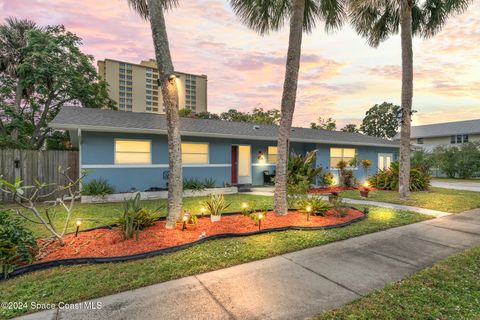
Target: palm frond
(333, 12)
(141, 6)
(436, 12)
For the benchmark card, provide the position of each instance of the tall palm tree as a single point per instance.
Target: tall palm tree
(264, 16)
(377, 20)
(13, 37)
(153, 11)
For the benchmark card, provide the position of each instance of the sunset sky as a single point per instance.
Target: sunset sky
(340, 77)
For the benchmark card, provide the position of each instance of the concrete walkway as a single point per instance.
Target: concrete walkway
(469, 186)
(295, 285)
(430, 212)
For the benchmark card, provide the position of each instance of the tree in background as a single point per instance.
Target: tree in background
(382, 120)
(377, 20)
(52, 72)
(258, 115)
(324, 124)
(153, 11)
(264, 16)
(350, 128)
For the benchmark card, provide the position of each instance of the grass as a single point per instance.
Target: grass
(453, 201)
(77, 283)
(477, 180)
(100, 214)
(448, 290)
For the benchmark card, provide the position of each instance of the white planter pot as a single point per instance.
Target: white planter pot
(215, 218)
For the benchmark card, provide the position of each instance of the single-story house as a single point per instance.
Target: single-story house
(130, 150)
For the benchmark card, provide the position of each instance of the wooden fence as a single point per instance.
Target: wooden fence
(31, 165)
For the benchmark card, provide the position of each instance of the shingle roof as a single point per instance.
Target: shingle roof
(446, 129)
(119, 121)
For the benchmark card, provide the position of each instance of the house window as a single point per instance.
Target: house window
(272, 154)
(419, 140)
(341, 154)
(459, 138)
(133, 151)
(195, 153)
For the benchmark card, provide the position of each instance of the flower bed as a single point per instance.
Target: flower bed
(329, 190)
(109, 242)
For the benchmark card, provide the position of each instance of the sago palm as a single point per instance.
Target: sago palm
(377, 20)
(265, 16)
(153, 11)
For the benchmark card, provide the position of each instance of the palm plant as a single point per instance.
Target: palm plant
(13, 37)
(376, 20)
(264, 16)
(153, 11)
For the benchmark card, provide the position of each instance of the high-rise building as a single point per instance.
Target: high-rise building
(134, 87)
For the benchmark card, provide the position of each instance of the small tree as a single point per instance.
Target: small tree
(366, 164)
(29, 197)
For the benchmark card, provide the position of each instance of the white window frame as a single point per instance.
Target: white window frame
(130, 164)
(190, 142)
(330, 158)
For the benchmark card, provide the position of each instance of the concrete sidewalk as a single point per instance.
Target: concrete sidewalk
(295, 285)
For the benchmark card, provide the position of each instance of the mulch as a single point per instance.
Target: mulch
(329, 190)
(110, 242)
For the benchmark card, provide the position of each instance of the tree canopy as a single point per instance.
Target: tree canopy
(324, 124)
(382, 120)
(258, 115)
(50, 72)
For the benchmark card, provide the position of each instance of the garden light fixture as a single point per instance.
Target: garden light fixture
(244, 205)
(202, 210)
(78, 223)
(184, 219)
(366, 184)
(260, 217)
(309, 210)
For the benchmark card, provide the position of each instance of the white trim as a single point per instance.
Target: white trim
(263, 164)
(66, 126)
(124, 166)
(127, 139)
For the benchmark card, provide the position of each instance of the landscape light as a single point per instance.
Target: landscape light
(78, 223)
(260, 217)
(202, 210)
(184, 219)
(366, 184)
(244, 205)
(309, 210)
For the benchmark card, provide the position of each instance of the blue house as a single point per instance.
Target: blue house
(130, 150)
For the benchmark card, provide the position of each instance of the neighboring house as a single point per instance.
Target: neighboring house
(130, 149)
(134, 87)
(449, 133)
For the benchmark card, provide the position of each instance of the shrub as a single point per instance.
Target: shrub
(209, 183)
(468, 164)
(302, 172)
(421, 160)
(340, 207)
(216, 204)
(388, 179)
(17, 244)
(97, 187)
(317, 205)
(135, 218)
(348, 178)
(327, 179)
(193, 184)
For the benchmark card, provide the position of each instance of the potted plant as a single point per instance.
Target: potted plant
(332, 197)
(215, 206)
(364, 189)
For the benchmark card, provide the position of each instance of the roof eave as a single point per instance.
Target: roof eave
(210, 135)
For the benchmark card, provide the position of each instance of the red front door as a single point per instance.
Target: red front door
(234, 165)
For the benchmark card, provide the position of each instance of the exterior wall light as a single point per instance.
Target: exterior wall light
(261, 156)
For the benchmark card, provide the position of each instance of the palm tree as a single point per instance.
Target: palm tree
(13, 37)
(153, 11)
(377, 20)
(264, 16)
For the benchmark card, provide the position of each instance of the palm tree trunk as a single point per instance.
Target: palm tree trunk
(407, 95)
(288, 104)
(170, 101)
(17, 106)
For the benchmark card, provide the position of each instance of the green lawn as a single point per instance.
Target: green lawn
(440, 199)
(100, 214)
(73, 284)
(477, 180)
(448, 290)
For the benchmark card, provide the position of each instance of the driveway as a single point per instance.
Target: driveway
(295, 285)
(469, 186)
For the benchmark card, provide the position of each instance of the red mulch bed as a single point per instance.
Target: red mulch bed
(329, 190)
(110, 243)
